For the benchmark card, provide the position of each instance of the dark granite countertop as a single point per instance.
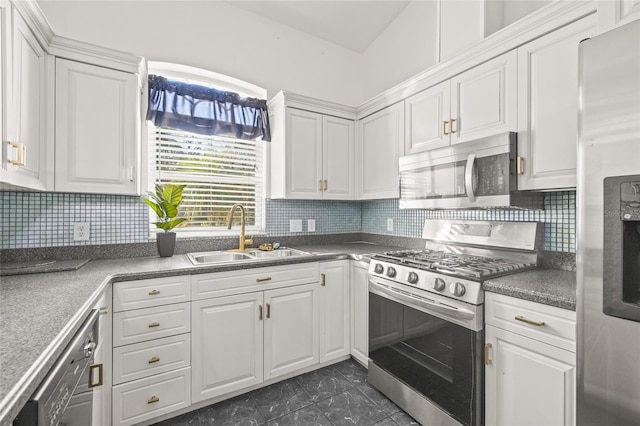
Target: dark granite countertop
(546, 286)
(39, 313)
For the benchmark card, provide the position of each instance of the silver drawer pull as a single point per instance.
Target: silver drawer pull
(154, 324)
(153, 399)
(528, 321)
(154, 359)
(261, 280)
(154, 292)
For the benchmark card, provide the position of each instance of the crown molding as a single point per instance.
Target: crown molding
(289, 99)
(538, 23)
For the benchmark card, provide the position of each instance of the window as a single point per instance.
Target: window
(218, 171)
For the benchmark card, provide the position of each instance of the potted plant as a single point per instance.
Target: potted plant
(165, 202)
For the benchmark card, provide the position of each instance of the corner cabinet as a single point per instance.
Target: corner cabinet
(477, 103)
(312, 153)
(530, 363)
(97, 130)
(548, 107)
(380, 144)
(25, 162)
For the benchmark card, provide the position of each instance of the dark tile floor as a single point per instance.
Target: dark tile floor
(335, 395)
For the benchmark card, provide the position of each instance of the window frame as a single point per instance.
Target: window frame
(222, 82)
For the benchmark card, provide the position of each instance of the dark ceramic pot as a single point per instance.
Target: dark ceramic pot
(166, 242)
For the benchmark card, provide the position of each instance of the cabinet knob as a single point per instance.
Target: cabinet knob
(268, 310)
(154, 324)
(153, 399)
(153, 360)
(323, 282)
(520, 165)
(154, 292)
(444, 128)
(451, 121)
(487, 359)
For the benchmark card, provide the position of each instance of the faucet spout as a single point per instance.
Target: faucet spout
(243, 240)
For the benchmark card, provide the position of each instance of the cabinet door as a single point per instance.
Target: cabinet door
(426, 115)
(338, 145)
(290, 329)
(227, 344)
(25, 163)
(359, 313)
(380, 144)
(334, 310)
(483, 99)
(303, 136)
(96, 129)
(528, 382)
(548, 107)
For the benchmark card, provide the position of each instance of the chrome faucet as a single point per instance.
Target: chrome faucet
(243, 241)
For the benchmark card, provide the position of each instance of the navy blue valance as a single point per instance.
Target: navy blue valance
(206, 111)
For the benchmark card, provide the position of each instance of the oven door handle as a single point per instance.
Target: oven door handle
(451, 311)
(470, 177)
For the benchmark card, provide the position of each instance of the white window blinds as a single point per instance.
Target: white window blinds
(219, 172)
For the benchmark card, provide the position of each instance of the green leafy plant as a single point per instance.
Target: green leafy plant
(165, 202)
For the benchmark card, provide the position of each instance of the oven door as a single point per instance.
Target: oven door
(423, 357)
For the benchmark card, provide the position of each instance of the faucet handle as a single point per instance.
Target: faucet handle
(248, 241)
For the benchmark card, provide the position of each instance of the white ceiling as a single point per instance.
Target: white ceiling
(353, 24)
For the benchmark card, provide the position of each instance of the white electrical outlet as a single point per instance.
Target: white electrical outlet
(311, 225)
(295, 225)
(81, 231)
(390, 224)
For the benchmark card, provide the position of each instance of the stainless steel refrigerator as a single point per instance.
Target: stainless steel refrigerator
(608, 229)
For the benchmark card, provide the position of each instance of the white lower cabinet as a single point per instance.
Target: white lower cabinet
(359, 312)
(529, 380)
(227, 344)
(335, 324)
(151, 349)
(154, 396)
(242, 340)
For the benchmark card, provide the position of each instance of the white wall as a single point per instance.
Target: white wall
(407, 47)
(216, 36)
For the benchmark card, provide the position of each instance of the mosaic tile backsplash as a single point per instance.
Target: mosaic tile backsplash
(32, 219)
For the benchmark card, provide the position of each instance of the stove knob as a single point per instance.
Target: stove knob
(391, 272)
(378, 268)
(439, 284)
(457, 289)
(413, 278)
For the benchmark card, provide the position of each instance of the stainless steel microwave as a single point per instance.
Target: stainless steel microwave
(479, 174)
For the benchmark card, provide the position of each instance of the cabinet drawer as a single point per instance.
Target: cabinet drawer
(144, 399)
(153, 292)
(151, 323)
(232, 282)
(132, 362)
(548, 324)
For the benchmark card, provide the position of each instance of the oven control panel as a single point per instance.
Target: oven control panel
(432, 282)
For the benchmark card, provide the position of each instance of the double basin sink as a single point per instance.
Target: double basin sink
(225, 257)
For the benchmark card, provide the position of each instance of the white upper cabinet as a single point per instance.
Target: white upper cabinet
(548, 107)
(426, 117)
(380, 144)
(477, 103)
(483, 99)
(97, 129)
(24, 149)
(318, 154)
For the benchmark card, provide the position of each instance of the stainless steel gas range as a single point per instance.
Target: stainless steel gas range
(426, 316)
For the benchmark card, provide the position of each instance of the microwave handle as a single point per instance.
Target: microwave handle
(468, 177)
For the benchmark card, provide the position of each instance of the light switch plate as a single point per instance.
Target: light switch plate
(295, 225)
(311, 225)
(390, 224)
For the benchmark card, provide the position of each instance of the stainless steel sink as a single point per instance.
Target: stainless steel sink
(282, 252)
(214, 257)
(221, 257)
